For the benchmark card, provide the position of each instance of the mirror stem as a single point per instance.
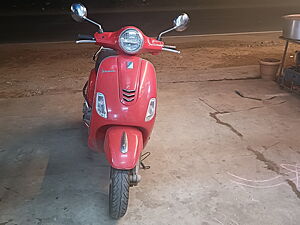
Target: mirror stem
(93, 22)
(164, 32)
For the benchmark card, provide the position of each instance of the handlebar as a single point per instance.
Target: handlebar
(83, 38)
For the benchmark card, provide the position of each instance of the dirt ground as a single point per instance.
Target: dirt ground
(216, 157)
(48, 68)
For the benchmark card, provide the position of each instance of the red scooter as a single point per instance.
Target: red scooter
(120, 101)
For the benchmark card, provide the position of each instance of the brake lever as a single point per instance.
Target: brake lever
(171, 50)
(85, 41)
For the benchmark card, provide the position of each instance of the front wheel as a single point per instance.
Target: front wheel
(118, 192)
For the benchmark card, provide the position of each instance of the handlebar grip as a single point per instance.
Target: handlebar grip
(85, 37)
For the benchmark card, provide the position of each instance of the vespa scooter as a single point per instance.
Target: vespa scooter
(120, 101)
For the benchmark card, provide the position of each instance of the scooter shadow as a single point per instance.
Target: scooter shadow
(72, 185)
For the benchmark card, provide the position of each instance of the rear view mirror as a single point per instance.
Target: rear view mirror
(181, 22)
(79, 12)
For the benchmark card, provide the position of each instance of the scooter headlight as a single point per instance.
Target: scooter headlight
(131, 41)
(151, 109)
(101, 105)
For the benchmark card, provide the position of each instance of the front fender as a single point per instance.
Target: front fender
(129, 136)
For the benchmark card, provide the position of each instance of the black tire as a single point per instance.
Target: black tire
(118, 192)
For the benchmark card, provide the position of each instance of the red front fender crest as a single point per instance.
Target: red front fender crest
(123, 146)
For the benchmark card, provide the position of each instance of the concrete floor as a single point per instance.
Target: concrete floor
(207, 141)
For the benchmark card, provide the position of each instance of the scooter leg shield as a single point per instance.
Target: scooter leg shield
(123, 146)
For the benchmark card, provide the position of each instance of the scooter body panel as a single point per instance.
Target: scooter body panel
(117, 78)
(115, 137)
(91, 86)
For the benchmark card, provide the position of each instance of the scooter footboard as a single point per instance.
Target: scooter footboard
(123, 146)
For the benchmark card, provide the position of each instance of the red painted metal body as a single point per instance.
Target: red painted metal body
(91, 86)
(112, 146)
(111, 79)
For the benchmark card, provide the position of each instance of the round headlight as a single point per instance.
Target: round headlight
(131, 41)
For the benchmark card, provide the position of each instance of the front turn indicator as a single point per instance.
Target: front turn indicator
(151, 109)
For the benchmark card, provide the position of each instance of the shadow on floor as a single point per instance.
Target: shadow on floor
(49, 176)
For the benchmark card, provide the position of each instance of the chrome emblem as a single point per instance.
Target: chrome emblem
(124, 143)
(129, 65)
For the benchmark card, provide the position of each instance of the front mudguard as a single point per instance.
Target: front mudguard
(118, 139)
